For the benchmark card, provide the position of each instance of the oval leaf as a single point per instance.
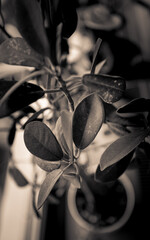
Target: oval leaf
(48, 185)
(47, 165)
(122, 147)
(62, 141)
(114, 171)
(136, 105)
(30, 25)
(66, 120)
(87, 120)
(16, 51)
(41, 142)
(109, 88)
(18, 177)
(24, 95)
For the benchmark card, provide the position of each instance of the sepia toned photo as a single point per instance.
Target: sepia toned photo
(74, 119)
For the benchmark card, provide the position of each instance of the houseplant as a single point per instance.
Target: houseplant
(79, 104)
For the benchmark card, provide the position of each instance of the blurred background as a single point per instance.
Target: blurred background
(124, 27)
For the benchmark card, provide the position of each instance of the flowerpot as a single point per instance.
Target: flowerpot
(79, 229)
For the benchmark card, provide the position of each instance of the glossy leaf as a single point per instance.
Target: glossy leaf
(122, 147)
(136, 105)
(30, 25)
(87, 120)
(109, 88)
(18, 177)
(41, 142)
(48, 185)
(114, 171)
(47, 166)
(24, 95)
(16, 51)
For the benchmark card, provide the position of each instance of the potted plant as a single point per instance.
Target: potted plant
(79, 106)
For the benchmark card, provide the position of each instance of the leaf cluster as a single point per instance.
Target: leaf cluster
(44, 26)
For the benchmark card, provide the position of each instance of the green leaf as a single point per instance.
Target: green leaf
(109, 88)
(122, 147)
(30, 25)
(16, 51)
(41, 142)
(114, 171)
(87, 120)
(47, 166)
(136, 105)
(24, 95)
(48, 185)
(18, 177)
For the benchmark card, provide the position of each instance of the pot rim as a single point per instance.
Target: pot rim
(126, 182)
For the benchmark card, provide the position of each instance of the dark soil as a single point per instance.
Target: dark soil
(108, 208)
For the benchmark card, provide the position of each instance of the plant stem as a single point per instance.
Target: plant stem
(86, 190)
(66, 92)
(63, 86)
(62, 95)
(19, 83)
(64, 169)
(52, 90)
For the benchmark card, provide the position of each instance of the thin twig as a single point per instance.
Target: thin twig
(66, 92)
(62, 95)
